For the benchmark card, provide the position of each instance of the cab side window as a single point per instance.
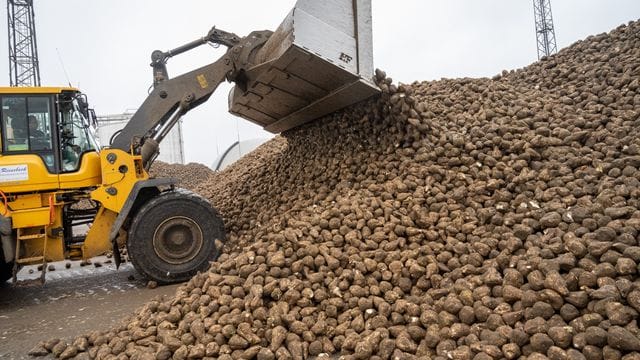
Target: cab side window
(39, 123)
(26, 127)
(14, 115)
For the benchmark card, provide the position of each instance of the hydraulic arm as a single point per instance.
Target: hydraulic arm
(171, 98)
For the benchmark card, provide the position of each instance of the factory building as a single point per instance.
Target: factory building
(171, 148)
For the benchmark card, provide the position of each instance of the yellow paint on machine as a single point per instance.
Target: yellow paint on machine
(39, 179)
(33, 216)
(97, 240)
(88, 175)
(12, 90)
(117, 183)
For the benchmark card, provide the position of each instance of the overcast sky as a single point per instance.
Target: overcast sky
(105, 46)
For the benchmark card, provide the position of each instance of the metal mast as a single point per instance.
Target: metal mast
(24, 67)
(545, 34)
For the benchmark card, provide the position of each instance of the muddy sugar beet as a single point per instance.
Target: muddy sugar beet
(456, 219)
(187, 176)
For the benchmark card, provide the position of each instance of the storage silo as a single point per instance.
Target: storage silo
(171, 148)
(234, 152)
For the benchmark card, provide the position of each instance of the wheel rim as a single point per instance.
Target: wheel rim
(178, 240)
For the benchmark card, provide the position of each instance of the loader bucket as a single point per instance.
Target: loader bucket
(318, 61)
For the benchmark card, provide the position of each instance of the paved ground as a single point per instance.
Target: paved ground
(71, 302)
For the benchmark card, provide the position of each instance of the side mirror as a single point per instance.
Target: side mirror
(83, 104)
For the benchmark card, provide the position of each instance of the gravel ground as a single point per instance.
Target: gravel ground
(71, 302)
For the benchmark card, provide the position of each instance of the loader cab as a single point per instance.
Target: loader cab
(27, 126)
(47, 132)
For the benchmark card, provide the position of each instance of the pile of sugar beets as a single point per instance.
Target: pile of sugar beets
(188, 176)
(455, 219)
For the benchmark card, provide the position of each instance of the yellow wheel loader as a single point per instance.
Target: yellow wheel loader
(54, 176)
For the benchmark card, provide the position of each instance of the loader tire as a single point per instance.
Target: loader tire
(173, 235)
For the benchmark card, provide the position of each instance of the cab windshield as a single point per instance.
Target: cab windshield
(75, 135)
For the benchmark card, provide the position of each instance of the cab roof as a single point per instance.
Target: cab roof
(36, 89)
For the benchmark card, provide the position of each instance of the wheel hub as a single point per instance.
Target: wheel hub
(178, 240)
